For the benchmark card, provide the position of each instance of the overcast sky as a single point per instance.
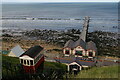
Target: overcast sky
(60, 0)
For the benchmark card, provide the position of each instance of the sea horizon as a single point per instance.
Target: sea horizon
(54, 2)
(104, 15)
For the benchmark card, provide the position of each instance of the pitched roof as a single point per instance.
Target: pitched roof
(33, 51)
(86, 63)
(91, 46)
(81, 43)
(77, 60)
(69, 44)
(64, 61)
(108, 63)
(17, 50)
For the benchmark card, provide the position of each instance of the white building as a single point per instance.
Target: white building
(16, 51)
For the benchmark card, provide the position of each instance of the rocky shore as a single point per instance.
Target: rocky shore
(107, 42)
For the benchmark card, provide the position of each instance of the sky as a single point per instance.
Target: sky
(60, 0)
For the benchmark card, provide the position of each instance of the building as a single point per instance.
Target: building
(76, 63)
(91, 49)
(32, 59)
(75, 48)
(68, 48)
(16, 51)
(81, 48)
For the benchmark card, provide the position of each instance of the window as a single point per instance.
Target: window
(28, 62)
(37, 59)
(90, 54)
(67, 52)
(25, 62)
(21, 61)
(31, 62)
(79, 53)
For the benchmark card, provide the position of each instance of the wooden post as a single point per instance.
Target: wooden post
(68, 67)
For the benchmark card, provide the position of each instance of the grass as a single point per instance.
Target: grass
(94, 72)
(15, 60)
(8, 65)
(50, 69)
(55, 65)
(100, 72)
(12, 60)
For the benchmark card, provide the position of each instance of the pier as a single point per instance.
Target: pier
(84, 32)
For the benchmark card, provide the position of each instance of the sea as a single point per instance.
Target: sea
(60, 16)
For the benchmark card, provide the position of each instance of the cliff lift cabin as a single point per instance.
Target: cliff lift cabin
(32, 59)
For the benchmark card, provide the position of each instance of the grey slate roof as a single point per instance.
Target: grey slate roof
(33, 51)
(82, 38)
(77, 60)
(64, 61)
(72, 44)
(108, 63)
(91, 46)
(17, 50)
(69, 44)
(81, 43)
(86, 63)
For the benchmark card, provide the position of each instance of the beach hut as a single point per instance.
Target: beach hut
(32, 59)
(16, 51)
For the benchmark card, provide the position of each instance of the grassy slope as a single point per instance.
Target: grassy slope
(95, 72)
(49, 68)
(14, 61)
(100, 72)
(54, 65)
